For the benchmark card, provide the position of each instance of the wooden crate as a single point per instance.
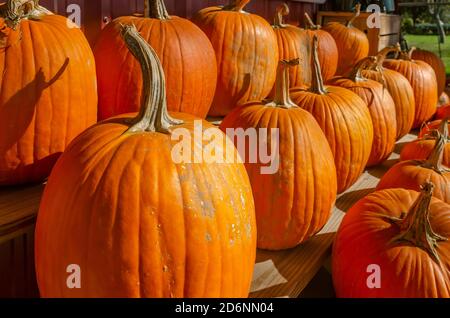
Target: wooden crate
(388, 34)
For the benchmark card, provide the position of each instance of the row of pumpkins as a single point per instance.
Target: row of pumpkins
(139, 225)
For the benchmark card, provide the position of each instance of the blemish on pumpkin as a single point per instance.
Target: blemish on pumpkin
(165, 268)
(208, 237)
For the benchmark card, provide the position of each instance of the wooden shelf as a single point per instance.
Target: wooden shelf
(277, 274)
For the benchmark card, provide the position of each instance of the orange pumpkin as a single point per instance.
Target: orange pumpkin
(428, 127)
(398, 87)
(186, 54)
(381, 107)
(294, 202)
(292, 43)
(436, 63)
(137, 223)
(403, 235)
(443, 112)
(48, 89)
(423, 81)
(345, 120)
(245, 44)
(328, 50)
(413, 173)
(421, 148)
(352, 43)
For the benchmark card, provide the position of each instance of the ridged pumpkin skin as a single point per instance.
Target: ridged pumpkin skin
(423, 81)
(382, 111)
(137, 223)
(295, 202)
(48, 94)
(365, 238)
(420, 149)
(436, 63)
(187, 57)
(245, 44)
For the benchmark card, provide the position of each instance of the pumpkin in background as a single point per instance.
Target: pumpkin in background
(444, 99)
(186, 54)
(381, 108)
(411, 251)
(421, 148)
(352, 43)
(292, 43)
(423, 81)
(428, 127)
(245, 45)
(443, 112)
(345, 120)
(136, 222)
(398, 87)
(48, 93)
(294, 201)
(436, 63)
(412, 174)
(328, 50)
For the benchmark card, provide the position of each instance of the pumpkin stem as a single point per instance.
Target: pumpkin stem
(281, 12)
(236, 5)
(17, 10)
(156, 9)
(317, 85)
(435, 159)
(415, 227)
(407, 55)
(153, 115)
(356, 73)
(282, 98)
(355, 16)
(382, 55)
(310, 24)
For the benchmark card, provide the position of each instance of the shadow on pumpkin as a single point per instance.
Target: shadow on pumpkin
(379, 171)
(348, 199)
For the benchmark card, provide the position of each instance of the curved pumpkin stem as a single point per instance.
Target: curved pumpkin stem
(407, 56)
(310, 24)
(153, 115)
(317, 85)
(281, 12)
(382, 55)
(236, 5)
(355, 16)
(15, 11)
(416, 229)
(282, 98)
(435, 159)
(156, 9)
(356, 73)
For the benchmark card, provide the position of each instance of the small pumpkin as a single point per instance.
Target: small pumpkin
(352, 43)
(429, 127)
(185, 52)
(436, 63)
(443, 112)
(421, 148)
(136, 222)
(245, 44)
(344, 118)
(404, 234)
(381, 108)
(328, 50)
(48, 89)
(295, 202)
(412, 174)
(423, 81)
(398, 87)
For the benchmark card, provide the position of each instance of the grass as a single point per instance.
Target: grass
(430, 42)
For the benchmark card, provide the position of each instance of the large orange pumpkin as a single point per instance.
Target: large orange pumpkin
(292, 43)
(48, 89)
(398, 87)
(413, 173)
(381, 107)
(352, 43)
(247, 57)
(185, 52)
(421, 148)
(436, 63)
(294, 201)
(398, 239)
(423, 81)
(345, 120)
(138, 222)
(328, 50)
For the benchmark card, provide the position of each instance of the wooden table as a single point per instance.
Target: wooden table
(277, 274)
